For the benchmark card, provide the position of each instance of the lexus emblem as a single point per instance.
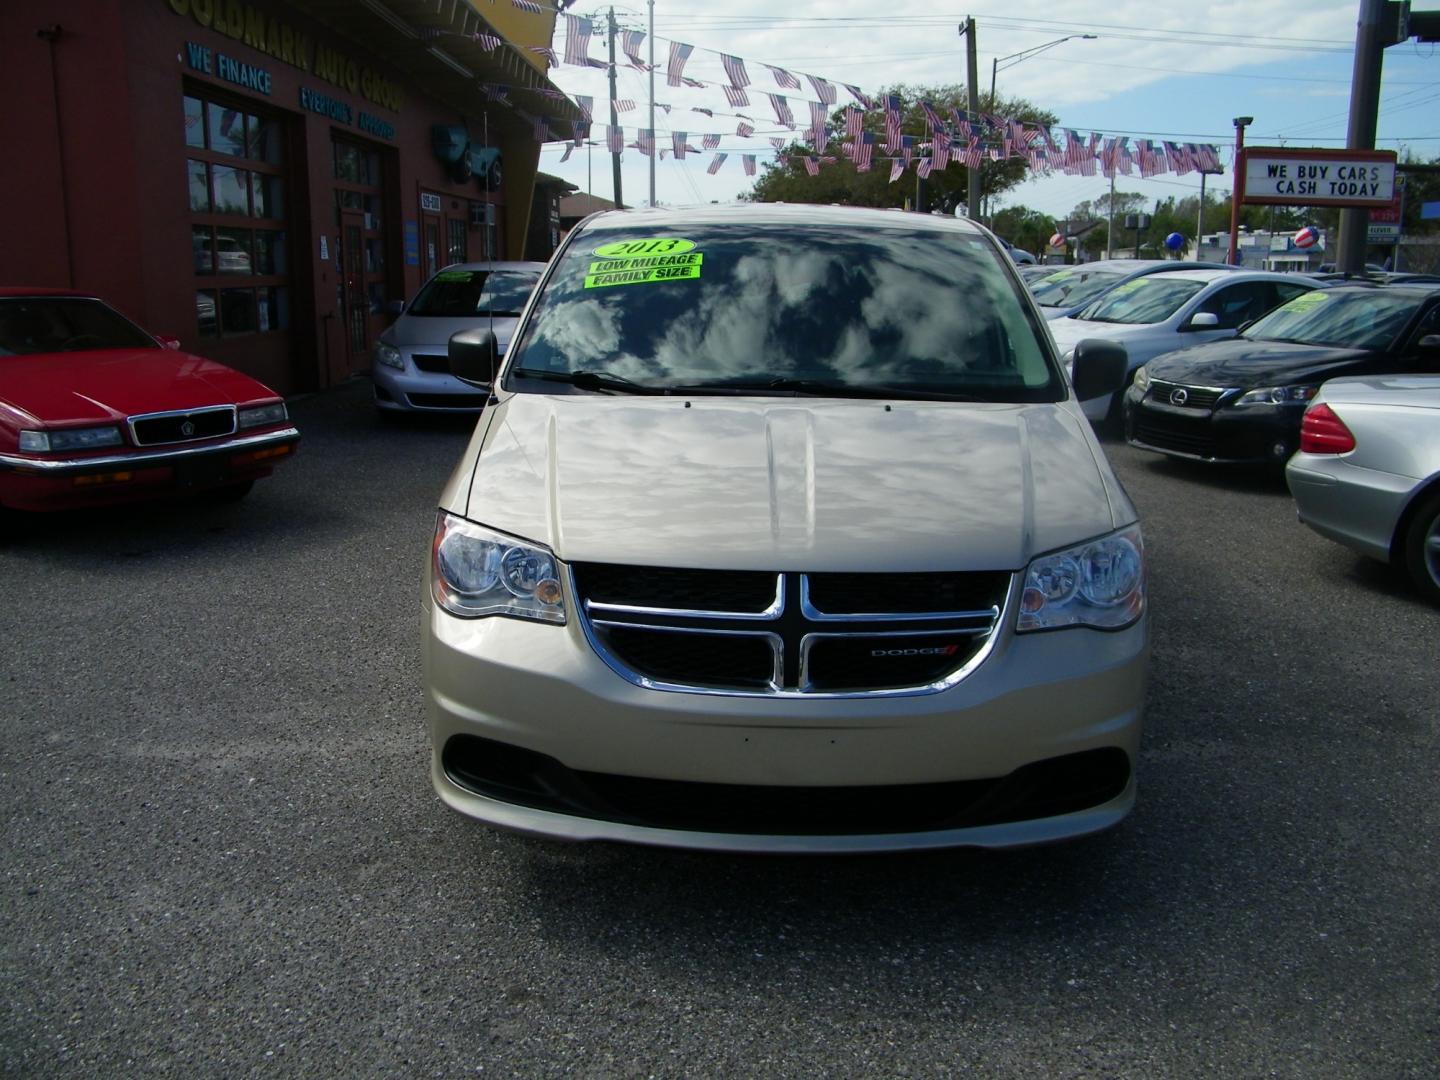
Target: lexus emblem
(1179, 396)
(187, 428)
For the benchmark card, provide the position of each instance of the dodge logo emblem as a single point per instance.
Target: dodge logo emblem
(187, 428)
(1179, 397)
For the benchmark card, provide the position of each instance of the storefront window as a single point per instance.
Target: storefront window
(455, 250)
(235, 176)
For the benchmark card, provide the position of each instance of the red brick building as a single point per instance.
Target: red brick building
(260, 179)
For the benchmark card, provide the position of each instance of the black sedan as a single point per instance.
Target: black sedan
(1240, 400)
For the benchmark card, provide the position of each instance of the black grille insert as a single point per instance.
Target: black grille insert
(740, 591)
(1042, 789)
(871, 594)
(183, 426)
(435, 365)
(448, 401)
(705, 660)
(1194, 397)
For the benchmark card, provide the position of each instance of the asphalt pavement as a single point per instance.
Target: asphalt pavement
(222, 855)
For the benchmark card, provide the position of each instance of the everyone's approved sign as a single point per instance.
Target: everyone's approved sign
(1281, 176)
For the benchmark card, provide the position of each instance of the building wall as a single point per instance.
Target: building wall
(103, 203)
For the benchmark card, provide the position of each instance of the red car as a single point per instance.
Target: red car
(93, 410)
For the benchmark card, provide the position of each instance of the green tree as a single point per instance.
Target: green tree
(784, 180)
(1027, 229)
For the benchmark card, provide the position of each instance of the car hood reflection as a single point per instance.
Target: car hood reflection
(789, 484)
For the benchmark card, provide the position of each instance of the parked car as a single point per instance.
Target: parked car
(1159, 313)
(1066, 290)
(93, 410)
(411, 372)
(785, 533)
(1240, 401)
(1368, 471)
(1034, 271)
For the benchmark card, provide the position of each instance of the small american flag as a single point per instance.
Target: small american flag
(892, 123)
(540, 128)
(744, 130)
(498, 92)
(677, 140)
(736, 97)
(587, 105)
(577, 40)
(818, 115)
(932, 117)
(897, 170)
(923, 168)
(679, 53)
(581, 130)
(864, 99)
(715, 163)
(547, 52)
(623, 105)
(615, 138)
(645, 141)
(784, 78)
(778, 144)
(704, 112)
(710, 142)
(940, 151)
(569, 149)
(812, 166)
(747, 162)
(782, 109)
(528, 5)
(862, 150)
(823, 90)
(735, 70)
(488, 42)
(630, 44)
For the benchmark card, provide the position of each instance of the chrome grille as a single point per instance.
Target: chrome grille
(155, 429)
(1189, 397)
(742, 632)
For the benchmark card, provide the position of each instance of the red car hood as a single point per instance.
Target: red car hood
(110, 384)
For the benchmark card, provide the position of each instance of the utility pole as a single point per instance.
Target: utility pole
(1200, 215)
(614, 119)
(972, 79)
(654, 145)
(1379, 26)
(1110, 225)
(1237, 189)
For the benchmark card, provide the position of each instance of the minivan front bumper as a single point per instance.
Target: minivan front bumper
(532, 731)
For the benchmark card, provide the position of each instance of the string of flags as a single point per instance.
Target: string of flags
(952, 136)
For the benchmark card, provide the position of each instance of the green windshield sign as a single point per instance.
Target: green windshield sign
(644, 262)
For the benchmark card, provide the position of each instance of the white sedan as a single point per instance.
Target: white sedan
(1164, 312)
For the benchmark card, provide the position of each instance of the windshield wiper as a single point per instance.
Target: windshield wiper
(586, 379)
(829, 388)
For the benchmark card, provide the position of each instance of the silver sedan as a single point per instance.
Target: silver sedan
(1368, 471)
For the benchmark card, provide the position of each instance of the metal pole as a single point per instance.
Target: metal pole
(1200, 216)
(1110, 227)
(614, 119)
(1370, 41)
(589, 166)
(1237, 194)
(1400, 228)
(654, 149)
(972, 76)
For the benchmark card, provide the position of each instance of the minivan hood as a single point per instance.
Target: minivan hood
(435, 330)
(1241, 362)
(789, 484)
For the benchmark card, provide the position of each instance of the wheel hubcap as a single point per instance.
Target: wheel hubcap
(1432, 551)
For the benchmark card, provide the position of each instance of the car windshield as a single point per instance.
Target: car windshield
(1070, 288)
(808, 308)
(1367, 319)
(461, 293)
(1149, 299)
(45, 324)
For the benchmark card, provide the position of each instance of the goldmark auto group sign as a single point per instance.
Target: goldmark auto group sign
(1280, 176)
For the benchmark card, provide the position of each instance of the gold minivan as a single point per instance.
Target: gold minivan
(783, 531)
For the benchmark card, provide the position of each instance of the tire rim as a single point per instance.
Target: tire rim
(1432, 550)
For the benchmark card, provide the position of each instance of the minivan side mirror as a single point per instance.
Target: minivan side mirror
(1203, 320)
(474, 356)
(1099, 367)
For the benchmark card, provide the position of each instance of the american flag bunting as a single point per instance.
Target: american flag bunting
(675, 69)
(615, 138)
(710, 142)
(747, 162)
(823, 90)
(782, 109)
(715, 163)
(488, 42)
(783, 78)
(677, 140)
(736, 97)
(897, 170)
(630, 44)
(744, 130)
(892, 123)
(735, 70)
(577, 40)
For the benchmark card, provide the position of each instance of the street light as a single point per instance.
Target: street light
(1237, 193)
(1025, 54)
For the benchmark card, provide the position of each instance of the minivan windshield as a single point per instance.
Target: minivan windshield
(1150, 299)
(1367, 319)
(1072, 287)
(460, 293)
(785, 308)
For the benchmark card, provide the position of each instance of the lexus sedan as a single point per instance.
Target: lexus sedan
(1368, 471)
(94, 410)
(411, 373)
(1240, 401)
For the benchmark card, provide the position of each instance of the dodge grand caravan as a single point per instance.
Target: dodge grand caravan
(783, 531)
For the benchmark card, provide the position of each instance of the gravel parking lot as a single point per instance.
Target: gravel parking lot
(223, 856)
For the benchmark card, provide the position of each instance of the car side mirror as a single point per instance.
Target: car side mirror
(173, 343)
(1203, 320)
(1099, 367)
(474, 356)
(395, 308)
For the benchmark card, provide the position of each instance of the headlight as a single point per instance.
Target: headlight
(1142, 379)
(70, 439)
(388, 355)
(476, 572)
(1100, 583)
(262, 414)
(1278, 395)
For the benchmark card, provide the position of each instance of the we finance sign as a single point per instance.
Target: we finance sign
(1281, 176)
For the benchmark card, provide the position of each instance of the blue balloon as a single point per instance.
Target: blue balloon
(1174, 241)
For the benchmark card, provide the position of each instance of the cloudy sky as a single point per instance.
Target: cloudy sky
(1165, 69)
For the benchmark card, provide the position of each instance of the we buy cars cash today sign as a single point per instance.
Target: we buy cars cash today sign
(1281, 176)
